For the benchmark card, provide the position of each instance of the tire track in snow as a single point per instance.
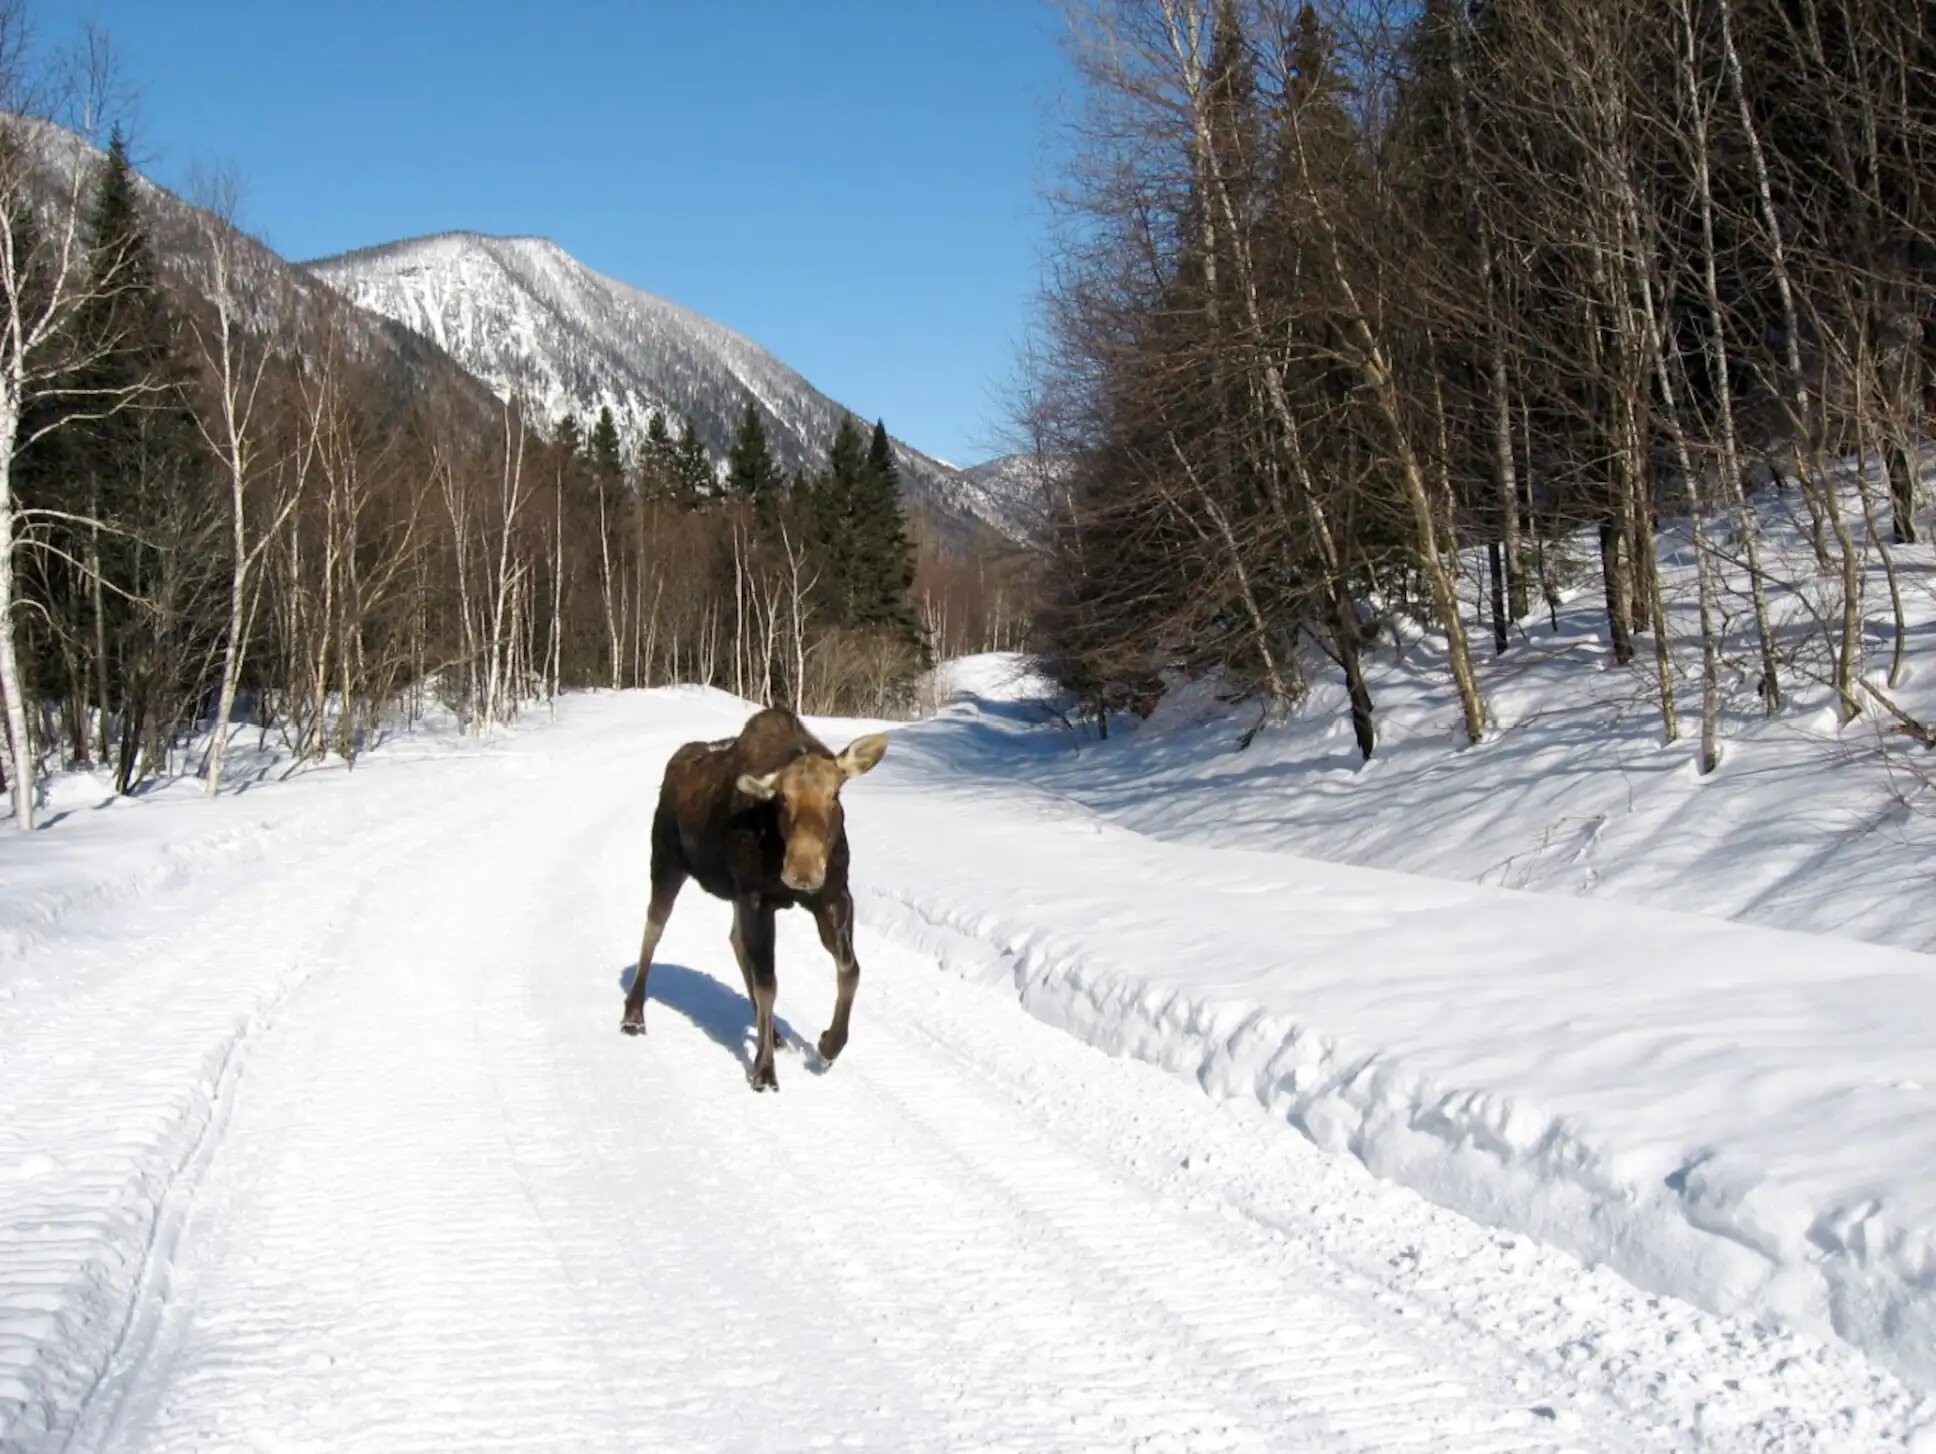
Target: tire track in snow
(92, 1234)
(1567, 1338)
(308, 936)
(176, 1202)
(1563, 1329)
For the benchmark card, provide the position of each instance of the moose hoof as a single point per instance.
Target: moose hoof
(831, 1047)
(631, 1027)
(762, 1078)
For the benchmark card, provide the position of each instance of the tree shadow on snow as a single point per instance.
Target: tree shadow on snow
(723, 1013)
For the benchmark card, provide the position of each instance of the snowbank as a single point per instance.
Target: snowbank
(1741, 1117)
(1807, 824)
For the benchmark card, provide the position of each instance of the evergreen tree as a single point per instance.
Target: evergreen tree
(829, 511)
(607, 458)
(803, 503)
(884, 565)
(851, 514)
(569, 435)
(752, 473)
(659, 459)
(695, 482)
(138, 470)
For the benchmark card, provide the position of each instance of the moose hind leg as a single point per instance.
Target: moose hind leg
(835, 920)
(665, 889)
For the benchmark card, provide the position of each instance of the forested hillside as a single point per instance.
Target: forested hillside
(1370, 314)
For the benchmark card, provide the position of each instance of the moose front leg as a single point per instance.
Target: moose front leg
(753, 939)
(834, 914)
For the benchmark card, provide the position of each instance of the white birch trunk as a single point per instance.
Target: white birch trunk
(21, 777)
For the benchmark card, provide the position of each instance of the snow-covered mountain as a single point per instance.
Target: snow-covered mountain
(528, 318)
(1014, 488)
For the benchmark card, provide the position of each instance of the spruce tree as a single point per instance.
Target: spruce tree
(884, 567)
(693, 468)
(607, 458)
(832, 523)
(752, 473)
(569, 435)
(659, 459)
(803, 502)
(138, 469)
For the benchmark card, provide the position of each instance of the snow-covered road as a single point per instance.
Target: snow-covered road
(338, 1147)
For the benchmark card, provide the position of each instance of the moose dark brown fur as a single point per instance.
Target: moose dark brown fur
(757, 820)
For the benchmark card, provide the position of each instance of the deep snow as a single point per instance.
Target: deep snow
(324, 1136)
(1729, 1114)
(1809, 823)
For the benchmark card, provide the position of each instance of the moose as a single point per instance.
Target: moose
(757, 820)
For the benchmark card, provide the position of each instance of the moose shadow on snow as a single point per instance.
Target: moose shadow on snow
(722, 1012)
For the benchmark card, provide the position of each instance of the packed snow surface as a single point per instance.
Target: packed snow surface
(317, 1131)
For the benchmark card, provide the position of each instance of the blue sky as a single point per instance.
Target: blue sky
(853, 183)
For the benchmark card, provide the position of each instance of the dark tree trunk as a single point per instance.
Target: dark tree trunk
(1500, 639)
(1902, 492)
(1345, 628)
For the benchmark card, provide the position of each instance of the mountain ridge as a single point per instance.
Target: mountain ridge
(525, 316)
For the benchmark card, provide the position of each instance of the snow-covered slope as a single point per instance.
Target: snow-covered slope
(1014, 488)
(1808, 823)
(528, 318)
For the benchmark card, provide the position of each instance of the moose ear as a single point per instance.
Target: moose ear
(862, 753)
(759, 789)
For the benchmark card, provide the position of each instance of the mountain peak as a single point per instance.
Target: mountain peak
(435, 244)
(528, 318)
